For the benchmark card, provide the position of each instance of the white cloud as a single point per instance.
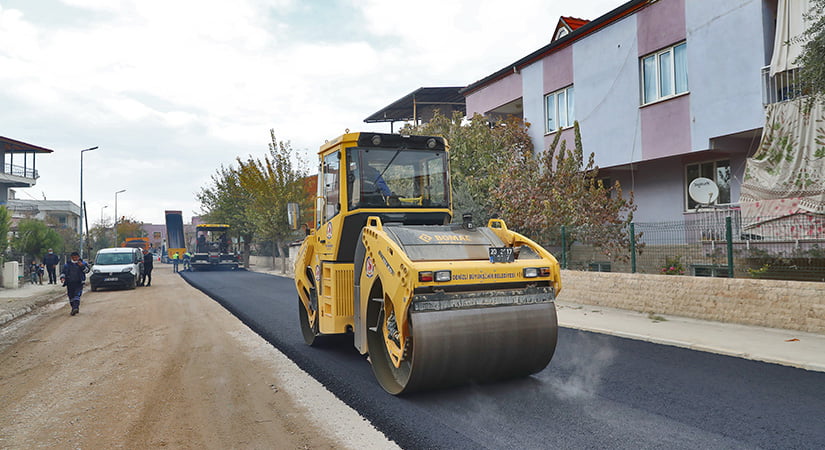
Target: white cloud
(172, 90)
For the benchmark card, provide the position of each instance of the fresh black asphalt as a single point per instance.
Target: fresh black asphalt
(598, 391)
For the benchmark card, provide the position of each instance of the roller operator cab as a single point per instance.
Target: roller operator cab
(432, 303)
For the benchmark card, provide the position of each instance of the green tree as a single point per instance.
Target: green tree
(69, 236)
(224, 200)
(273, 182)
(128, 227)
(34, 238)
(479, 157)
(560, 187)
(100, 236)
(5, 225)
(812, 58)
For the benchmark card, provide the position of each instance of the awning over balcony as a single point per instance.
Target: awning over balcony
(420, 104)
(12, 146)
(790, 24)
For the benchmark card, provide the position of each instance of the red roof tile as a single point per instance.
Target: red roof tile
(574, 22)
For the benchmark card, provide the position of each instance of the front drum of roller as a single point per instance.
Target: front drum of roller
(463, 345)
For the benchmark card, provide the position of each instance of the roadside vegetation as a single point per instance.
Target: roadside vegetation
(812, 58)
(252, 195)
(495, 170)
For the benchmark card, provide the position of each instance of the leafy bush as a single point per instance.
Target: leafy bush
(672, 266)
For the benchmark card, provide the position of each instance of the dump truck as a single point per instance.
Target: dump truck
(213, 248)
(430, 302)
(136, 242)
(176, 243)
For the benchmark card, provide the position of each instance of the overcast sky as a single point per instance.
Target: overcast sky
(170, 90)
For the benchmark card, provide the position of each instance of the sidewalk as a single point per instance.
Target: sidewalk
(785, 347)
(18, 302)
(772, 345)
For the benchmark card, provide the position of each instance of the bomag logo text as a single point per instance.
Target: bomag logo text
(483, 276)
(443, 238)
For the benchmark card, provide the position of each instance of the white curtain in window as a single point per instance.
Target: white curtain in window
(789, 25)
(550, 108)
(561, 103)
(649, 66)
(680, 68)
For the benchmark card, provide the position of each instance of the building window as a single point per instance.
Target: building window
(561, 33)
(709, 270)
(718, 171)
(598, 267)
(664, 73)
(558, 108)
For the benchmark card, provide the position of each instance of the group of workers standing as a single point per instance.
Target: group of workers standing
(187, 261)
(36, 271)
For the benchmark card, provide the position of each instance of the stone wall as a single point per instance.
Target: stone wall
(793, 305)
(264, 263)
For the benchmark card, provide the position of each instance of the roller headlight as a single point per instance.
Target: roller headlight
(533, 272)
(126, 269)
(443, 275)
(438, 276)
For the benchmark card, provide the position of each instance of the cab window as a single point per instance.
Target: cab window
(330, 188)
(379, 177)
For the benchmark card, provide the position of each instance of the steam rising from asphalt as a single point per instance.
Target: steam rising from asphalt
(580, 375)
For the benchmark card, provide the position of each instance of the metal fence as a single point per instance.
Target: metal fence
(20, 171)
(781, 87)
(712, 244)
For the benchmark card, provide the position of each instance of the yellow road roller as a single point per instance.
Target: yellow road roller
(432, 303)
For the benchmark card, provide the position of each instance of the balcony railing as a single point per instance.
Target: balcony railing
(781, 87)
(20, 171)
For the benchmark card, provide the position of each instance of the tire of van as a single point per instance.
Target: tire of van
(134, 283)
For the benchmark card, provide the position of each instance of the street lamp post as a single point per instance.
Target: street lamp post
(102, 224)
(115, 226)
(81, 197)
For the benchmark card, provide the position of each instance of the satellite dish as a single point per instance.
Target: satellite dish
(703, 190)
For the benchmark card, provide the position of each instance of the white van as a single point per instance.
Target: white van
(117, 267)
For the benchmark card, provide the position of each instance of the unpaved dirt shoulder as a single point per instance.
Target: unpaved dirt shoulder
(161, 366)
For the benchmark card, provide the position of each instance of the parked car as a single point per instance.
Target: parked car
(117, 267)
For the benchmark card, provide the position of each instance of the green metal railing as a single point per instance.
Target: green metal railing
(716, 244)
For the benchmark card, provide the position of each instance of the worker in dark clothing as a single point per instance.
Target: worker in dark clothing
(148, 265)
(201, 244)
(51, 261)
(73, 276)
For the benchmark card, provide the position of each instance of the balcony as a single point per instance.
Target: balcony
(20, 171)
(782, 87)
